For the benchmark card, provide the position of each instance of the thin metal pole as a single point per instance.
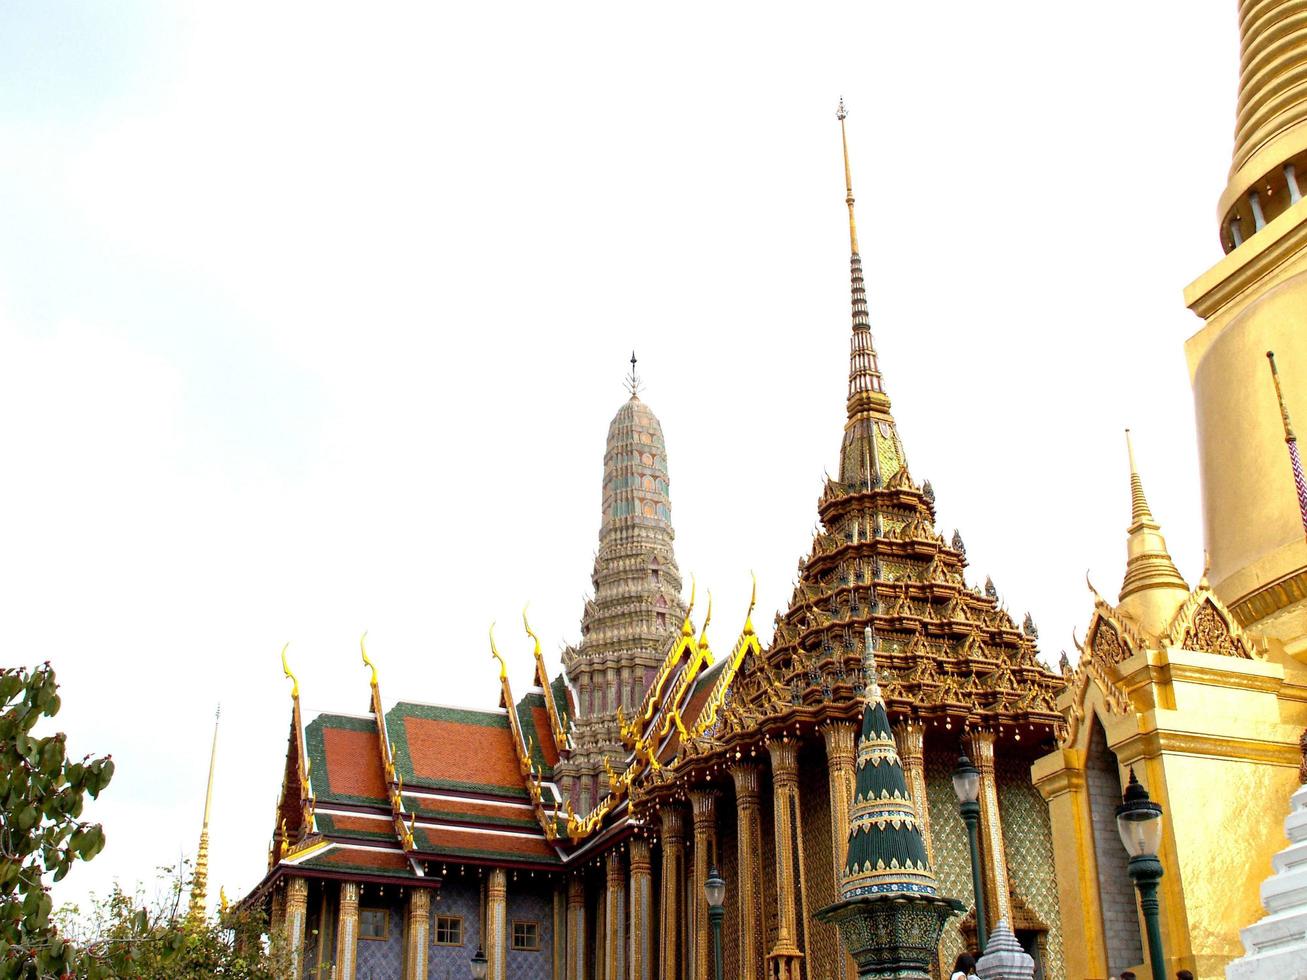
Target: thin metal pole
(1147, 872)
(971, 815)
(715, 914)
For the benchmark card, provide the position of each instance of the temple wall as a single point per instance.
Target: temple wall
(767, 835)
(1028, 834)
(459, 896)
(824, 949)
(949, 838)
(728, 868)
(531, 901)
(382, 957)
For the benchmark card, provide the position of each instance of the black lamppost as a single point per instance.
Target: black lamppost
(1139, 821)
(714, 889)
(479, 964)
(966, 784)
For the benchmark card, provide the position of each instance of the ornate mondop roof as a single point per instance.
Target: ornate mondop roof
(886, 853)
(878, 561)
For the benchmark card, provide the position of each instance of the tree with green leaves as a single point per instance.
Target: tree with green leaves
(41, 835)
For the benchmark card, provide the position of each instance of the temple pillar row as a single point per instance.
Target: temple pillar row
(998, 900)
(910, 737)
(576, 929)
(347, 931)
(297, 908)
(704, 807)
(673, 873)
(640, 949)
(785, 962)
(748, 781)
(497, 925)
(418, 934)
(841, 768)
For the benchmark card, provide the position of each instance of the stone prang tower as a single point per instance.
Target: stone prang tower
(636, 610)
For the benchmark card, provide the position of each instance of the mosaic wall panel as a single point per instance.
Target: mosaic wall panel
(949, 835)
(530, 900)
(728, 867)
(459, 896)
(824, 947)
(767, 833)
(1028, 839)
(380, 959)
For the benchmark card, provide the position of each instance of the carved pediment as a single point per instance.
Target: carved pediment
(1203, 624)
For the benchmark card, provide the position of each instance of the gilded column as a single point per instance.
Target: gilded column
(615, 897)
(841, 770)
(997, 892)
(576, 929)
(639, 947)
(911, 739)
(704, 804)
(418, 934)
(277, 915)
(497, 925)
(748, 784)
(786, 958)
(673, 837)
(560, 933)
(347, 931)
(297, 910)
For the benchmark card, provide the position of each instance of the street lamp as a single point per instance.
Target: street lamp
(479, 965)
(1139, 821)
(714, 889)
(966, 784)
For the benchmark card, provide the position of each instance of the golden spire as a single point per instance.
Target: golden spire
(841, 114)
(1139, 511)
(200, 881)
(1153, 590)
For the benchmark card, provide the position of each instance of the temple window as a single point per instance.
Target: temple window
(449, 930)
(662, 620)
(526, 935)
(374, 924)
(648, 483)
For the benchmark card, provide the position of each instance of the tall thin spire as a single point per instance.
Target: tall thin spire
(1153, 589)
(200, 883)
(1291, 441)
(866, 391)
(1139, 511)
(842, 114)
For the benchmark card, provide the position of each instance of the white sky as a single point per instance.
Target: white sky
(312, 321)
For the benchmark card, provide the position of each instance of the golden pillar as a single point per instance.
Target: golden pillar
(297, 910)
(748, 782)
(560, 932)
(785, 961)
(673, 836)
(910, 737)
(347, 931)
(497, 925)
(418, 934)
(998, 901)
(615, 899)
(841, 770)
(704, 805)
(277, 915)
(641, 951)
(576, 929)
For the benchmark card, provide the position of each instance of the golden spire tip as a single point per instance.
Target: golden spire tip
(1138, 502)
(842, 114)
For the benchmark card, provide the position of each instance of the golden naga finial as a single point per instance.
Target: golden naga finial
(530, 632)
(494, 652)
(703, 633)
(686, 628)
(285, 668)
(222, 900)
(841, 114)
(367, 662)
(753, 601)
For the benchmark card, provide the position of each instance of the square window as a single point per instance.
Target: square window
(526, 935)
(374, 924)
(449, 930)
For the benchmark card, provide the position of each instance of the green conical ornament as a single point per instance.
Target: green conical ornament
(891, 914)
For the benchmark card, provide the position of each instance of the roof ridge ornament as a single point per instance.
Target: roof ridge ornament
(632, 382)
(367, 662)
